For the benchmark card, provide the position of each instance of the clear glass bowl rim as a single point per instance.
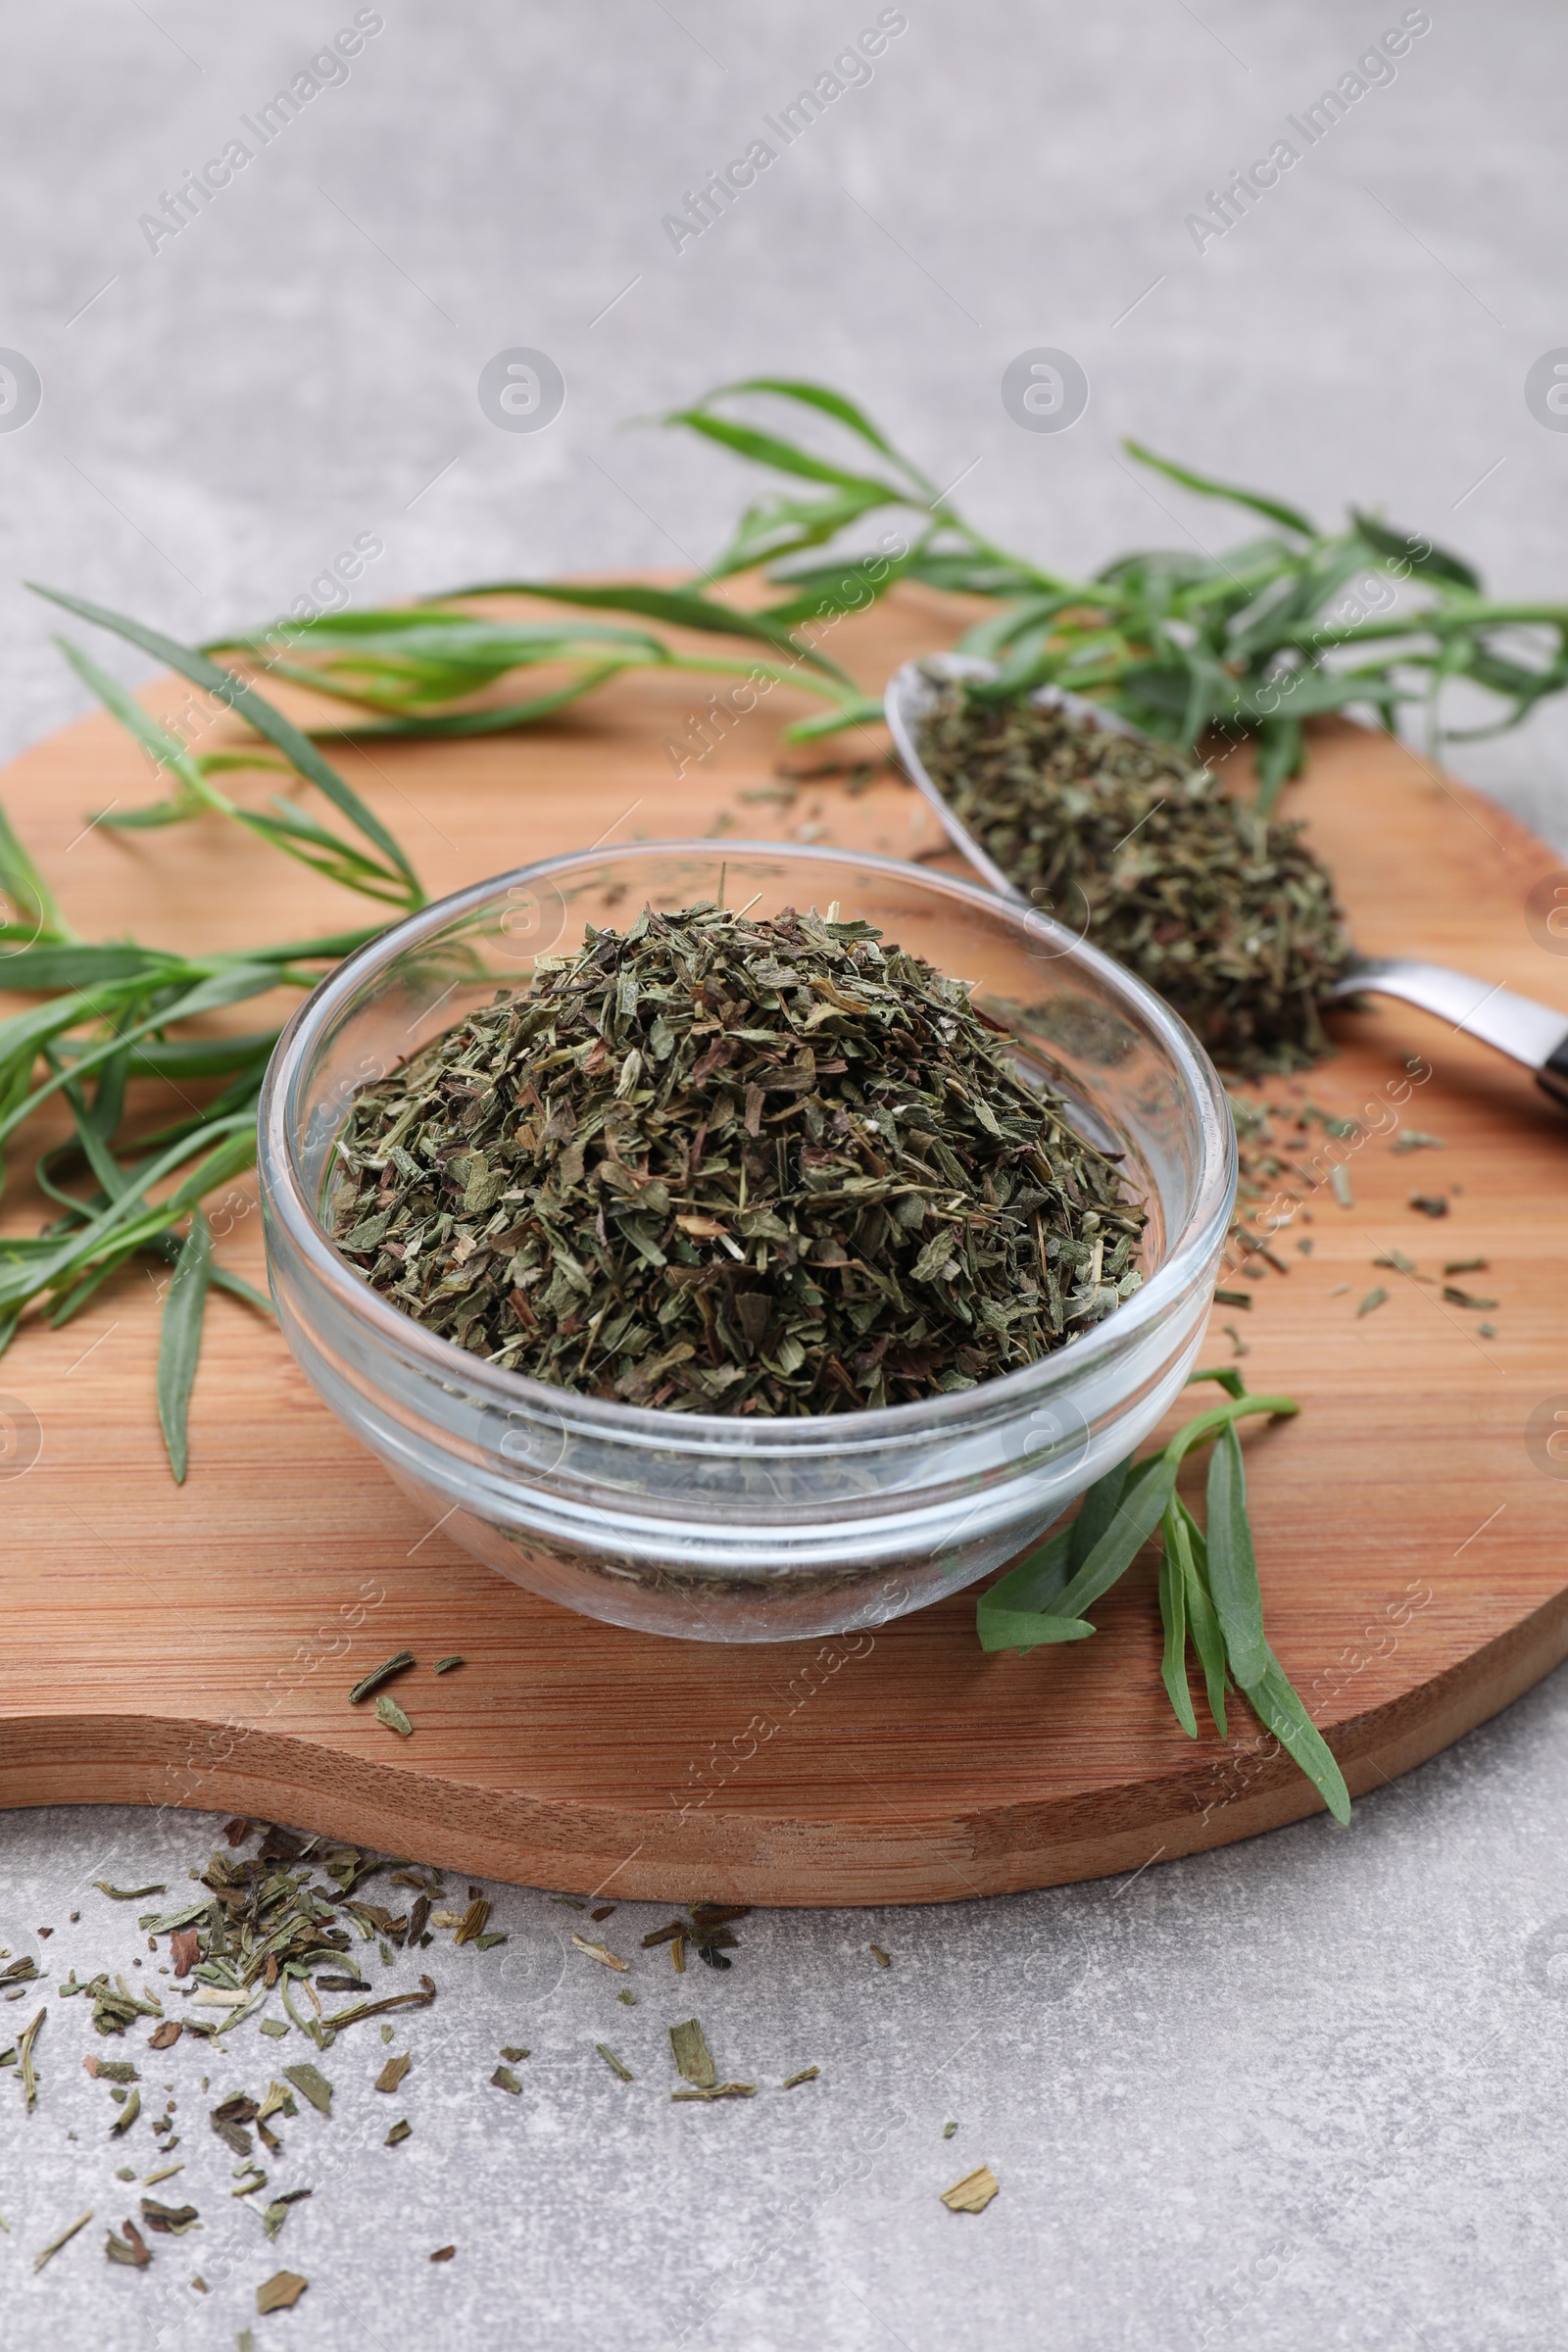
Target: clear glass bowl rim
(1008, 1393)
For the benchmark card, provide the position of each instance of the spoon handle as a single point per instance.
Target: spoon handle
(1516, 1025)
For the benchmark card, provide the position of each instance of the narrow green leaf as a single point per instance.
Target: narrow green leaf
(435, 640)
(842, 584)
(151, 819)
(211, 992)
(181, 1058)
(1202, 1426)
(496, 719)
(1096, 1513)
(1028, 1589)
(865, 712)
(777, 528)
(254, 708)
(23, 884)
(680, 607)
(1202, 1622)
(234, 1152)
(816, 396)
(90, 1134)
(1025, 1629)
(1138, 1514)
(108, 1094)
(1281, 755)
(1173, 1615)
(238, 1288)
(786, 456)
(86, 1289)
(165, 750)
(1277, 1704)
(181, 1339)
(1231, 1562)
(989, 639)
(982, 574)
(1412, 548)
(1206, 487)
(82, 965)
(25, 1033)
(30, 1264)
(1309, 692)
(1033, 1589)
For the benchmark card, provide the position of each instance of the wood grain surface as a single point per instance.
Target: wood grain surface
(193, 1646)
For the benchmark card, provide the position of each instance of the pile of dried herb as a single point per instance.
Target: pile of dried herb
(723, 1164)
(1223, 910)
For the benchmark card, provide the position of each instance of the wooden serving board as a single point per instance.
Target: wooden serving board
(194, 1646)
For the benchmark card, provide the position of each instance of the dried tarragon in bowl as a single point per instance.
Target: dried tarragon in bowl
(1225, 912)
(718, 1162)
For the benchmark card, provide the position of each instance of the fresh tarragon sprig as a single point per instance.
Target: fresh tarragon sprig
(1208, 1590)
(110, 1013)
(1250, 642)
(113, 1012)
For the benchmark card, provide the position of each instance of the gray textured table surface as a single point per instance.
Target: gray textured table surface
(1301, 2093)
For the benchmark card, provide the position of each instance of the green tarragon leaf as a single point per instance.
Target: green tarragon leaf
(181, 1341)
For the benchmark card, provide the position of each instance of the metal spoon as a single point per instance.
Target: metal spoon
(1516, 1025)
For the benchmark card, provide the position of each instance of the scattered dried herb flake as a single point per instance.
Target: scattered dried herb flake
(600, 1952)
(281, 2291)
(693, 2059)
(25, 2049)
(378, 1675)
(169, 2221)
(45, 2253)
(974, 2192)
(312, 2085)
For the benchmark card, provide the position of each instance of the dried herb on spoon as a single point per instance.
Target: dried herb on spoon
(1225, 912)
(726, 1163)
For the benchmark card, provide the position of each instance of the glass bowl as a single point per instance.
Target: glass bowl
(747, 1530)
